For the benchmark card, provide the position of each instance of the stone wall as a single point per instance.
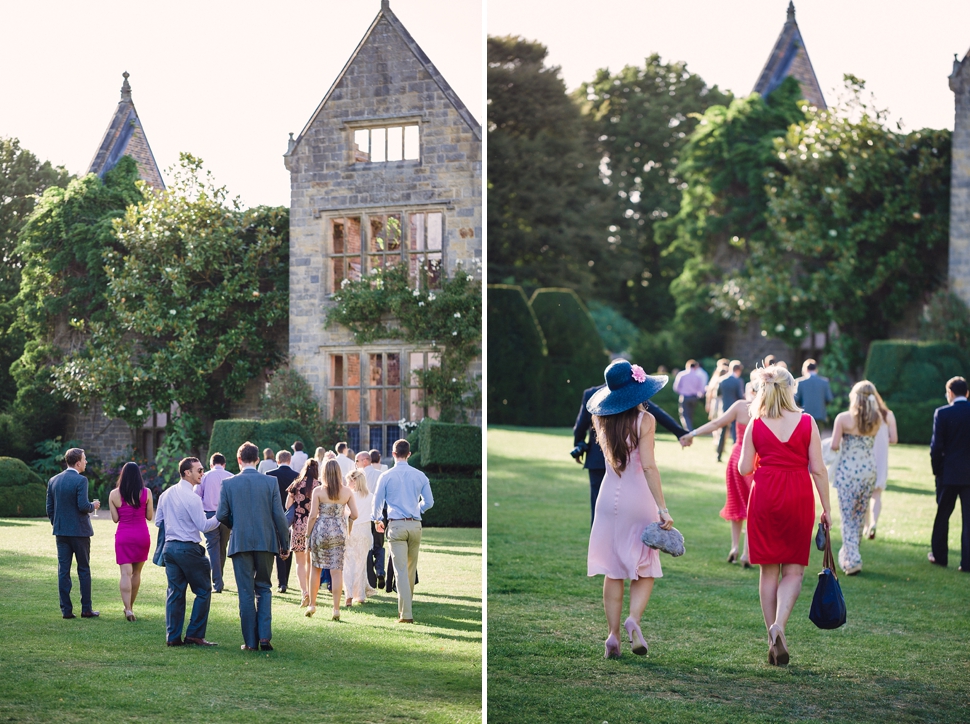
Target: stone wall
(109, 439)
(959, 267)
(389, 80)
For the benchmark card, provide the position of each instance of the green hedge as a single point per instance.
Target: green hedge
(911, 377)
(457, 500)
(228, 435)
(447, 446)
(22, 492)
(576, 358)
(516, 357)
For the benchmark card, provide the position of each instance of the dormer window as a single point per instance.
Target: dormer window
(381, 144)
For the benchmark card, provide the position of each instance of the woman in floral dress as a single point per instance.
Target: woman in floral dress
(327, 533)
(854, 433)
(298, 494)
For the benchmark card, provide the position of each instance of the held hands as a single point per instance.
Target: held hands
(379, 526)
(686, 440)
(284, 554)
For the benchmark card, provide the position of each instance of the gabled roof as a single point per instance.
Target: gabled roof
(790, 58)
(387, 14)
(126, 137)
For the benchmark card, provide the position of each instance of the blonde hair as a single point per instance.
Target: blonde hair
(357, 481)
(774, 392)
(318, 455)
(864, 407)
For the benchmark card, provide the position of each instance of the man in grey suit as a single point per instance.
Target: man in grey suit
(251, 507)
(730, 389)
(68, 508)
(813, 393)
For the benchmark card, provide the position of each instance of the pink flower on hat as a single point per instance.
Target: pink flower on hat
(638, 374)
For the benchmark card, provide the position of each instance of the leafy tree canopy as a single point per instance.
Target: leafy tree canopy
(195, 303)
(545, 207)
(642, 119)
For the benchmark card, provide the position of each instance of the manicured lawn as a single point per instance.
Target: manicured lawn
(903, 655)
(366, 668)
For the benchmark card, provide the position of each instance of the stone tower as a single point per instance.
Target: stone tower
(959, 261)
(388, 170)
(790, 58)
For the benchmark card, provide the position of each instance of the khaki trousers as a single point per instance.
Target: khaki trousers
(405, 538)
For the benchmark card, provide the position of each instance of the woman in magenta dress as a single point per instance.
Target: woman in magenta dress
(131, 508)
(629, 499)
(781, 508)
(738, 486)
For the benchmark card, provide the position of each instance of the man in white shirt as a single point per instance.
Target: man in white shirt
(298, 458)
(182, 513)
(216, 541)
(345, 463)
(375, 556)
(375, 461)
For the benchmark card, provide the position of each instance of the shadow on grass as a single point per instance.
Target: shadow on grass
(10, 523)
(912, 491)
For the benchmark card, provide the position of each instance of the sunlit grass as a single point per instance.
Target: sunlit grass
(902, 656)
(366, 668)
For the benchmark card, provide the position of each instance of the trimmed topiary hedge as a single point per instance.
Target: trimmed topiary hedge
(457, 500)
(22, 492)
(445, 446)
(911, 377)
(516, 357)
(228, 435)
(576, 358)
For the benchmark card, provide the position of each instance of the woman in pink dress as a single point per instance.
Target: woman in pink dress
(629, 499)
(131, 508)
(738, 486)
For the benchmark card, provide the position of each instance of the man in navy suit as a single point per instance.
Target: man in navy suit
(595, 461)
(950, 455)
(284, 475)
(68, 508)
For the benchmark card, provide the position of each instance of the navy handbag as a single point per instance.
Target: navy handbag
(828, 605)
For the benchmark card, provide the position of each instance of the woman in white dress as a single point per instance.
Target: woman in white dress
(886, 436)
(359, 542)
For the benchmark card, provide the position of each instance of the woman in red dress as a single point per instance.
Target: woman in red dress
(781, 508)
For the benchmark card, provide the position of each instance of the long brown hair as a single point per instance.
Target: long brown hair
(864, 408)
(618, 435)
(304, 483)
(331, 475)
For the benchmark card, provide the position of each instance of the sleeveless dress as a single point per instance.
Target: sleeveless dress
(624, 508)
(781, 508)
(328, 537)
(854, 479)
(738, 485)
(359, 543)
(132, 539)
(300, 514)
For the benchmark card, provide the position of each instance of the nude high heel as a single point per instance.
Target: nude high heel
(310, 611)
(639, 646)
(778, 651)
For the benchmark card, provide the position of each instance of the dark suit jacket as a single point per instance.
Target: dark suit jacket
(68, 505)
(285, 475)
(812, 394)
(584, 425)
(950, 446)
(731, 389)
(250, 505)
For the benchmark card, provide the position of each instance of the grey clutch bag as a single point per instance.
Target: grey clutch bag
(669, 541)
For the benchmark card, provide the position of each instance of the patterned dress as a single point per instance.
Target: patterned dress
(855, 478)
(328, 537)
(301, 512)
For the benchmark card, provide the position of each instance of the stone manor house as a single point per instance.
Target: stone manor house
(388, 170)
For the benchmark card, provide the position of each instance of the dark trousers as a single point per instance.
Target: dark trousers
(186, 566)
(946, 498)
(68, 548)
(375, 557)
(596, 476)
(283, 570)
(254, 570)
(687, 406)
(216, 544)
(723, 438)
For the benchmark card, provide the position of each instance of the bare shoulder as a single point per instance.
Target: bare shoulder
(648, 423)
(115, 496)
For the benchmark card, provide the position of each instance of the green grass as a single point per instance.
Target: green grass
(366, 668)
(903, 655)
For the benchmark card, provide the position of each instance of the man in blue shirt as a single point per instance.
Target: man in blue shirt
(407, 493)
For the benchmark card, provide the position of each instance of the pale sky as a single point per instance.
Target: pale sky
(226, 81)
(903, 50)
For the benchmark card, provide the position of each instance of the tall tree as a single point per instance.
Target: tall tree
(545, 197)
(195, 304)
(642, 118)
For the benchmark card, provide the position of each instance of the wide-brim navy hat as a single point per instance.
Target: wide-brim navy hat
(626, 387)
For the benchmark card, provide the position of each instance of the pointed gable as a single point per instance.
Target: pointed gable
(790, 58)
(368, 59)
(126, 137)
